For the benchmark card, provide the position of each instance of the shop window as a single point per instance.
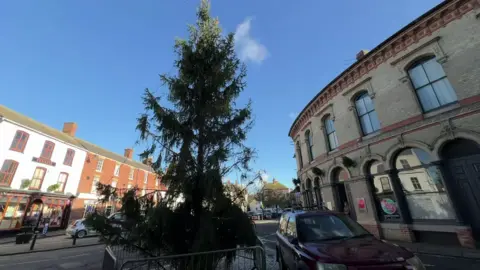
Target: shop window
(62, 181)
(366, 114)
(7, 172)
(299, 154)
(384, 198)
(47, 150)
(69, 157)
(309, 142)
(331, 133)
(431, 84)
(19, 141)
(37, 179)
(423, 186)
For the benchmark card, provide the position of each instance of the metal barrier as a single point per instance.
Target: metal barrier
(109, 260)
(248, 258)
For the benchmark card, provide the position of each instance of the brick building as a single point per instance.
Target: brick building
(44, 157)
(396, 136)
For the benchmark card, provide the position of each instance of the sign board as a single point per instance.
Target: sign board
(362, 205)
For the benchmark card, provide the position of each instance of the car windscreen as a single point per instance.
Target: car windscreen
(328, 227)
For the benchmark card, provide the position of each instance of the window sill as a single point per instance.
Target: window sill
(371, 135)
(333, 151)
(33, 188)
(16, 150)
(441, 109)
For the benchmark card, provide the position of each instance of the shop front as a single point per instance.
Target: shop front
(20, 208)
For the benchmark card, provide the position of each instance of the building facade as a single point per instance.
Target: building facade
(395, 138)
(40, 171)
(116, 170)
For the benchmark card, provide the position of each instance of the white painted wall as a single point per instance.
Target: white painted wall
(34, 146)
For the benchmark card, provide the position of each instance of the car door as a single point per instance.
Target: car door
(290, 252)
(282, 240)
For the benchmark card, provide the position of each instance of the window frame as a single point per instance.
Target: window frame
(361, 97)
(100, 161)
(299, 153)
(19, 145)
(309, 140)
(9, 174)
(131, 174)
(41, 180)
(93, 188)
(69, 156)
(116, 170)
(47, 150)
(420, 62)
(327, 119)
(145, 177)
(64, 183)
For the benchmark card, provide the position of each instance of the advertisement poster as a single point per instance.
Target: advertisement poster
(362, 205)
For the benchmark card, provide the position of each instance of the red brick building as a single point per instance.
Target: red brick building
(110, 168)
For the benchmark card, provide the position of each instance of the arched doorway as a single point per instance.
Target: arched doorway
(462, 159)
(341, 191)
(310, 198)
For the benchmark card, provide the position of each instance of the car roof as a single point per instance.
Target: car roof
(303, 213)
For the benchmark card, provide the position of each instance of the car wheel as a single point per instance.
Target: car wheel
(81, 234)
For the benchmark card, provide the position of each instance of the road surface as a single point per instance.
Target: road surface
(266, 232)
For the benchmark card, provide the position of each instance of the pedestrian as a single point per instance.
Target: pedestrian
(45, 227)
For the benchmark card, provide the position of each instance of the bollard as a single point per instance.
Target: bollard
(33, 241)
(75, 239)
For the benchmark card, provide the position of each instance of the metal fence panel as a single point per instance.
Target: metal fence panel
(109, 260)
(248, 258)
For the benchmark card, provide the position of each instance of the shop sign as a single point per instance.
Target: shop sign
(362, 205)
(389, 206)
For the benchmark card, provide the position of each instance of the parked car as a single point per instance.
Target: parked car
(254, 215)
(267, 214)
(80, 229)
(330, 240)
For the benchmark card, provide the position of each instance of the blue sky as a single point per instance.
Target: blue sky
(89, 61)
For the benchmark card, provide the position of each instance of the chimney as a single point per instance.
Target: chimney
(361, 54)
(70, 128)
(128, 153)
(274, 181)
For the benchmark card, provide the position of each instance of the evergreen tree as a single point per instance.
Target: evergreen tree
(200, 134)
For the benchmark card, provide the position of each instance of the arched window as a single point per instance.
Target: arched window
(299, 155)
(431, 84)
(366, 114)
(423, 186)
(330, 132)
(309, 141)
(7, 172)
(383, 196)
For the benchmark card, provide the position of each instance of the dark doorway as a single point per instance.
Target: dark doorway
(342, 196)
(463, 166)
(342, 193)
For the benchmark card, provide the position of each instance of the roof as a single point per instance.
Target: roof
(87, 146)
(371, 52)
(274, 186)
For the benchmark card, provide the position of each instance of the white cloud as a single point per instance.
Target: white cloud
(264, 176)
(248, 48)
(292, 115)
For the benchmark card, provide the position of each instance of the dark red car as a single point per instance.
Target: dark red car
(325, 240)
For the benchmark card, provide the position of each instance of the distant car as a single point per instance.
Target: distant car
(329, 240)
(254, 215)
(80, 229)
(267, 214)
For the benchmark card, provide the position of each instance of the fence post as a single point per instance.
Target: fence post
(75, 239)
(33, 240)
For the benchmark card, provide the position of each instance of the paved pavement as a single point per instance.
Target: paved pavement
(266, 232)
(79, 258)
(49, 243)
(10, 238)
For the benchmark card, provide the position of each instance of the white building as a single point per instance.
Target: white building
(40, 169)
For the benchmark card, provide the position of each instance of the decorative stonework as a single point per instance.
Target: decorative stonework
(450, 11)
